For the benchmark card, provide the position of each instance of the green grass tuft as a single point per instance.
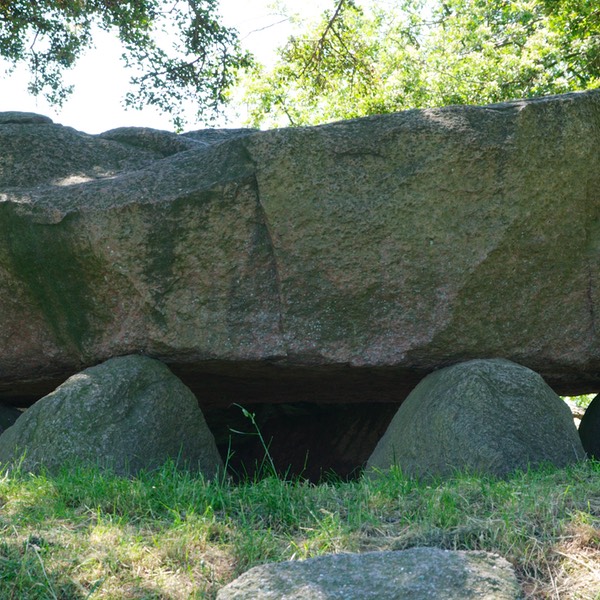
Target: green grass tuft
(167, 534)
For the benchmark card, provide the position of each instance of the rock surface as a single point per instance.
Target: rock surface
(337, 263)
(589, 429)
(418, 574)
(129, 413)
(484, 416)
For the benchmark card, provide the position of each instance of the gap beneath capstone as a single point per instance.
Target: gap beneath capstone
(308, 440)
(316, 419)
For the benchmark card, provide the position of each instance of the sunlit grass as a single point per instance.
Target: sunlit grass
(168, 534)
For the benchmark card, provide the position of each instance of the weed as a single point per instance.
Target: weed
(267, 466)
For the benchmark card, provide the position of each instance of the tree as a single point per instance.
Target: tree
(201, 63)
(368, 58)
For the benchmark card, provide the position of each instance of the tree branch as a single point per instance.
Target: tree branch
(320, 45)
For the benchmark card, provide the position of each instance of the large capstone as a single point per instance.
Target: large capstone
(129, 413)
(339, 263)
(488, 417)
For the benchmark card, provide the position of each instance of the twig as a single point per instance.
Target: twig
(265, 27)
(321, 43)
(50, 588)
(579, 562)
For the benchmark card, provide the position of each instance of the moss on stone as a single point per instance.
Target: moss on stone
(57, 271)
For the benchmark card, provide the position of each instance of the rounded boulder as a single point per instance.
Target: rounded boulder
(128, 413)
(488, 417)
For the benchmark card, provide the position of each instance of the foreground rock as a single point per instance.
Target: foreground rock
(484, 416)
(589, 429)
(418, 573)
(338, 263)
(129, 413)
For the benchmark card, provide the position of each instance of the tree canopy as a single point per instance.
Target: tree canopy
(361, 57)
(200, 63)
(365, 58)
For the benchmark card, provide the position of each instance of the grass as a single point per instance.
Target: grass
(85, 534)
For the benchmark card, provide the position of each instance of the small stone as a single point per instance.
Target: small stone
(417, 573)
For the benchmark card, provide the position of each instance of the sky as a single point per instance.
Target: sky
(101, 81)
